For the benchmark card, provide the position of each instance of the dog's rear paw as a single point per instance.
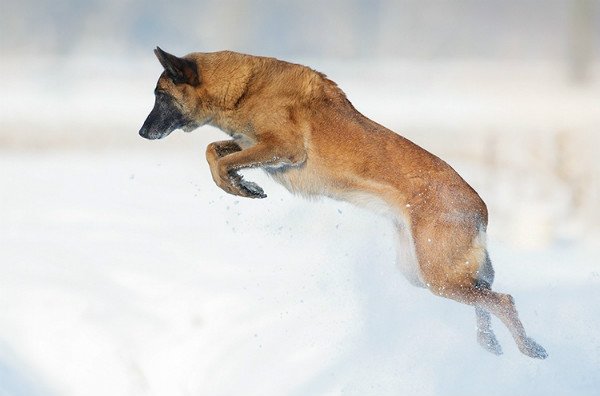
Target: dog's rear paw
(489, 342)
(533, 349)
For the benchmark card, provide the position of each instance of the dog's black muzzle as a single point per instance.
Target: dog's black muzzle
(164, 118)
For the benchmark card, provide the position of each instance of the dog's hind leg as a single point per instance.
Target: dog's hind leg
(485, 335)
(460, 278)
(501, 305)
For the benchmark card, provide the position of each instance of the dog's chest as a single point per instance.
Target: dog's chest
(298, 179)
(243, 141)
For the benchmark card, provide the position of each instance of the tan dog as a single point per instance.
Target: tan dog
(299, 126)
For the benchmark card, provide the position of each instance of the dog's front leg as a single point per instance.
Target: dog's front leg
(224, 169)
(220, 149)
(214, 152)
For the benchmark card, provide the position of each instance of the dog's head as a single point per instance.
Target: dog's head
(175, 105)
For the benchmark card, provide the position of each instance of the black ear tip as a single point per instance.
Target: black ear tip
(159, 51)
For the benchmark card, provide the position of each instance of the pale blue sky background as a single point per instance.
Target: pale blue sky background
(510, 29)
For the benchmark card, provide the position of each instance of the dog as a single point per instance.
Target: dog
(299, 127)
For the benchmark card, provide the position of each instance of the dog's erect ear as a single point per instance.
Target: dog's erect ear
(179, 70)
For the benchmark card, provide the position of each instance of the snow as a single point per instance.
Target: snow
(127, 271)
(519, 129)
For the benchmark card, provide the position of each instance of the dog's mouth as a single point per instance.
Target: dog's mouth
(153, 135)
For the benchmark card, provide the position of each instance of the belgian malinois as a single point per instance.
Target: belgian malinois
(299, 127)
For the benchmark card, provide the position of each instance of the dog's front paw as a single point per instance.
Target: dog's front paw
(245, 188)
(252, 190)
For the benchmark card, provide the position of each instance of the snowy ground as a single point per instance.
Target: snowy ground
(127, 272)
(527, 136)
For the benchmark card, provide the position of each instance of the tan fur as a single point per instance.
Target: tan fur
(300, 127)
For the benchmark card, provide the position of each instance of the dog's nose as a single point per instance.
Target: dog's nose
(144, 132)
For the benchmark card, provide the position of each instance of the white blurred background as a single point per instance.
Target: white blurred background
(124, 270)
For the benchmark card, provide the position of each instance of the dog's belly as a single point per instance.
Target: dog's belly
(304, 181)
(406, 256)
